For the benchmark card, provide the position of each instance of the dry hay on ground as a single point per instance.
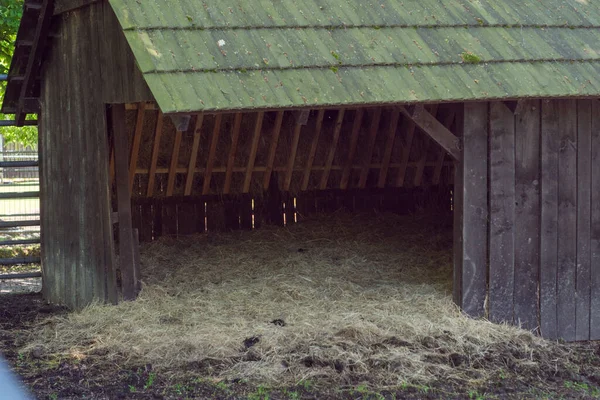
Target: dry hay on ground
(363, 298)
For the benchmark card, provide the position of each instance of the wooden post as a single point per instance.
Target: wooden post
(127, 249)
(471, 212)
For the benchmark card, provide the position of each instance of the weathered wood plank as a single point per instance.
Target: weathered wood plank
(174, 163)
(313, 150)
(420, 170)
(292, 160)
(272, 150)
(334, 142)
(135, 145)
(408, 126)
(186, 219)
(364, 173)
(527, 214)
(189, 179)
(211, 154)
(437, 173)
(126, 242)
(434, 128)
(549, 218)
(154, 156)
(389, 146)
(169, 219)
(457, 216)
(502, 213)
(474, 213)
(595, 225)
(567, 219)
(253, 149)
(235, 135)
(584, 214)
(358, 117)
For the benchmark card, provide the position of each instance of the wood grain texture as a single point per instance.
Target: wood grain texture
(235, 135)
(527, 213)
(253, 150)
(135, 145)
(174, 163)
(549, 218)
(154, 156)
(189, 179)
(502, 213)
(358, 117)
(313, 150)
(214, 141)
(595, 225)
(364, 173)
(408, 126)
(389, 146)
(272, 150)
(332, 149)
(292, 160)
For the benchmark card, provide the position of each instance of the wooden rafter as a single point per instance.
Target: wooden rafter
(272, 150)
(313, 150)
(332, 149)
(189, 180)
(253, 150)
(212, 153)
(37, 47)
(235, 135)
(448, 121)
(292, 160)
(364, 174)
(409, 127)
(174, 162)
(435, 129)
(135, 145)
(389, 145)
(353, 142)
(154, 157)
(420, 170)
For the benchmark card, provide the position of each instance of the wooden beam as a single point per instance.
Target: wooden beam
(272, 150)
(37, 48)
(292, 160)
(419, 172)
(313, 150)
(63, 6)
(435, 129)
(253, 149)
(189, 180)
(154, 156)
(235, 135)
(126, 240)
(353, 142)
(448, 121)
(364, 174)
(332, 149)
(212, 153)
(174, 163)
(135, 145)
(409, 127)
(389, 146)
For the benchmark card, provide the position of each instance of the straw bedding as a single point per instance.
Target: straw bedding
(339, 299)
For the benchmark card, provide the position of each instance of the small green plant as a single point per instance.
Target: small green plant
(307, 385)
(334, 69)
(178, 388)
(150, 380)
(222, 386)
(261, 393)
(293, 395)
(470, 58)
(132, 389)
(53, 396)
(473, 394)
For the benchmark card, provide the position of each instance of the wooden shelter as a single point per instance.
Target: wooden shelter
(195, 115)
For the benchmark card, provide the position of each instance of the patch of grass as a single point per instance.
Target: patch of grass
(584, 388)
(470, 58)
(150, 380)
(261, 393)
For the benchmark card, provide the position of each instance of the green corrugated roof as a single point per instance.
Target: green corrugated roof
(230, 54)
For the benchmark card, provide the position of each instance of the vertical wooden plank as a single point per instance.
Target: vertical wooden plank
(189, 180)
(595, 225)
(200, 216)
(157, 224)
(169, 219)
(549, 218)
(253, 150)
(389, 146)
(246, 212)
(186, 219)
(313, 150)
(527, 213)
(126, 242)
(154, 156)
(292, 160)
(353, 142)
(137, 139)
(174, 164)
(473, 226)
(332, 149)
(211, 154)
(502, 213)
(215, 216)
(420, 169)
(364, 173)
(272, 150)
(146, 228)
(584, 194)
(408, 127)
(567, 219)
(235, 135)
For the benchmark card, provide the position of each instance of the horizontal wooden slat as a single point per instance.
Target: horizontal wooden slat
(19, 195)
(16, 261)
(17, 224)
(19, 242)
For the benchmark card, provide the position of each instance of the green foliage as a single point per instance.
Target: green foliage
(10, 18)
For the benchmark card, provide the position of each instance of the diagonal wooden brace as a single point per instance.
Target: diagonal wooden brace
(435, 129)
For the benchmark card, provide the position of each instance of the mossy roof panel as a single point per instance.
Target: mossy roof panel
(224, 55)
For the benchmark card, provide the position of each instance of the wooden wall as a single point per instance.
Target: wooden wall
(87, 65)
(527, 216)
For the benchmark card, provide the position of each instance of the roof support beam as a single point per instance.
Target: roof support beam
(435, 129)
(38, 46)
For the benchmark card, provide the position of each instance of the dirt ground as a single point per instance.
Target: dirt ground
(96, 378)
(344, 351)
